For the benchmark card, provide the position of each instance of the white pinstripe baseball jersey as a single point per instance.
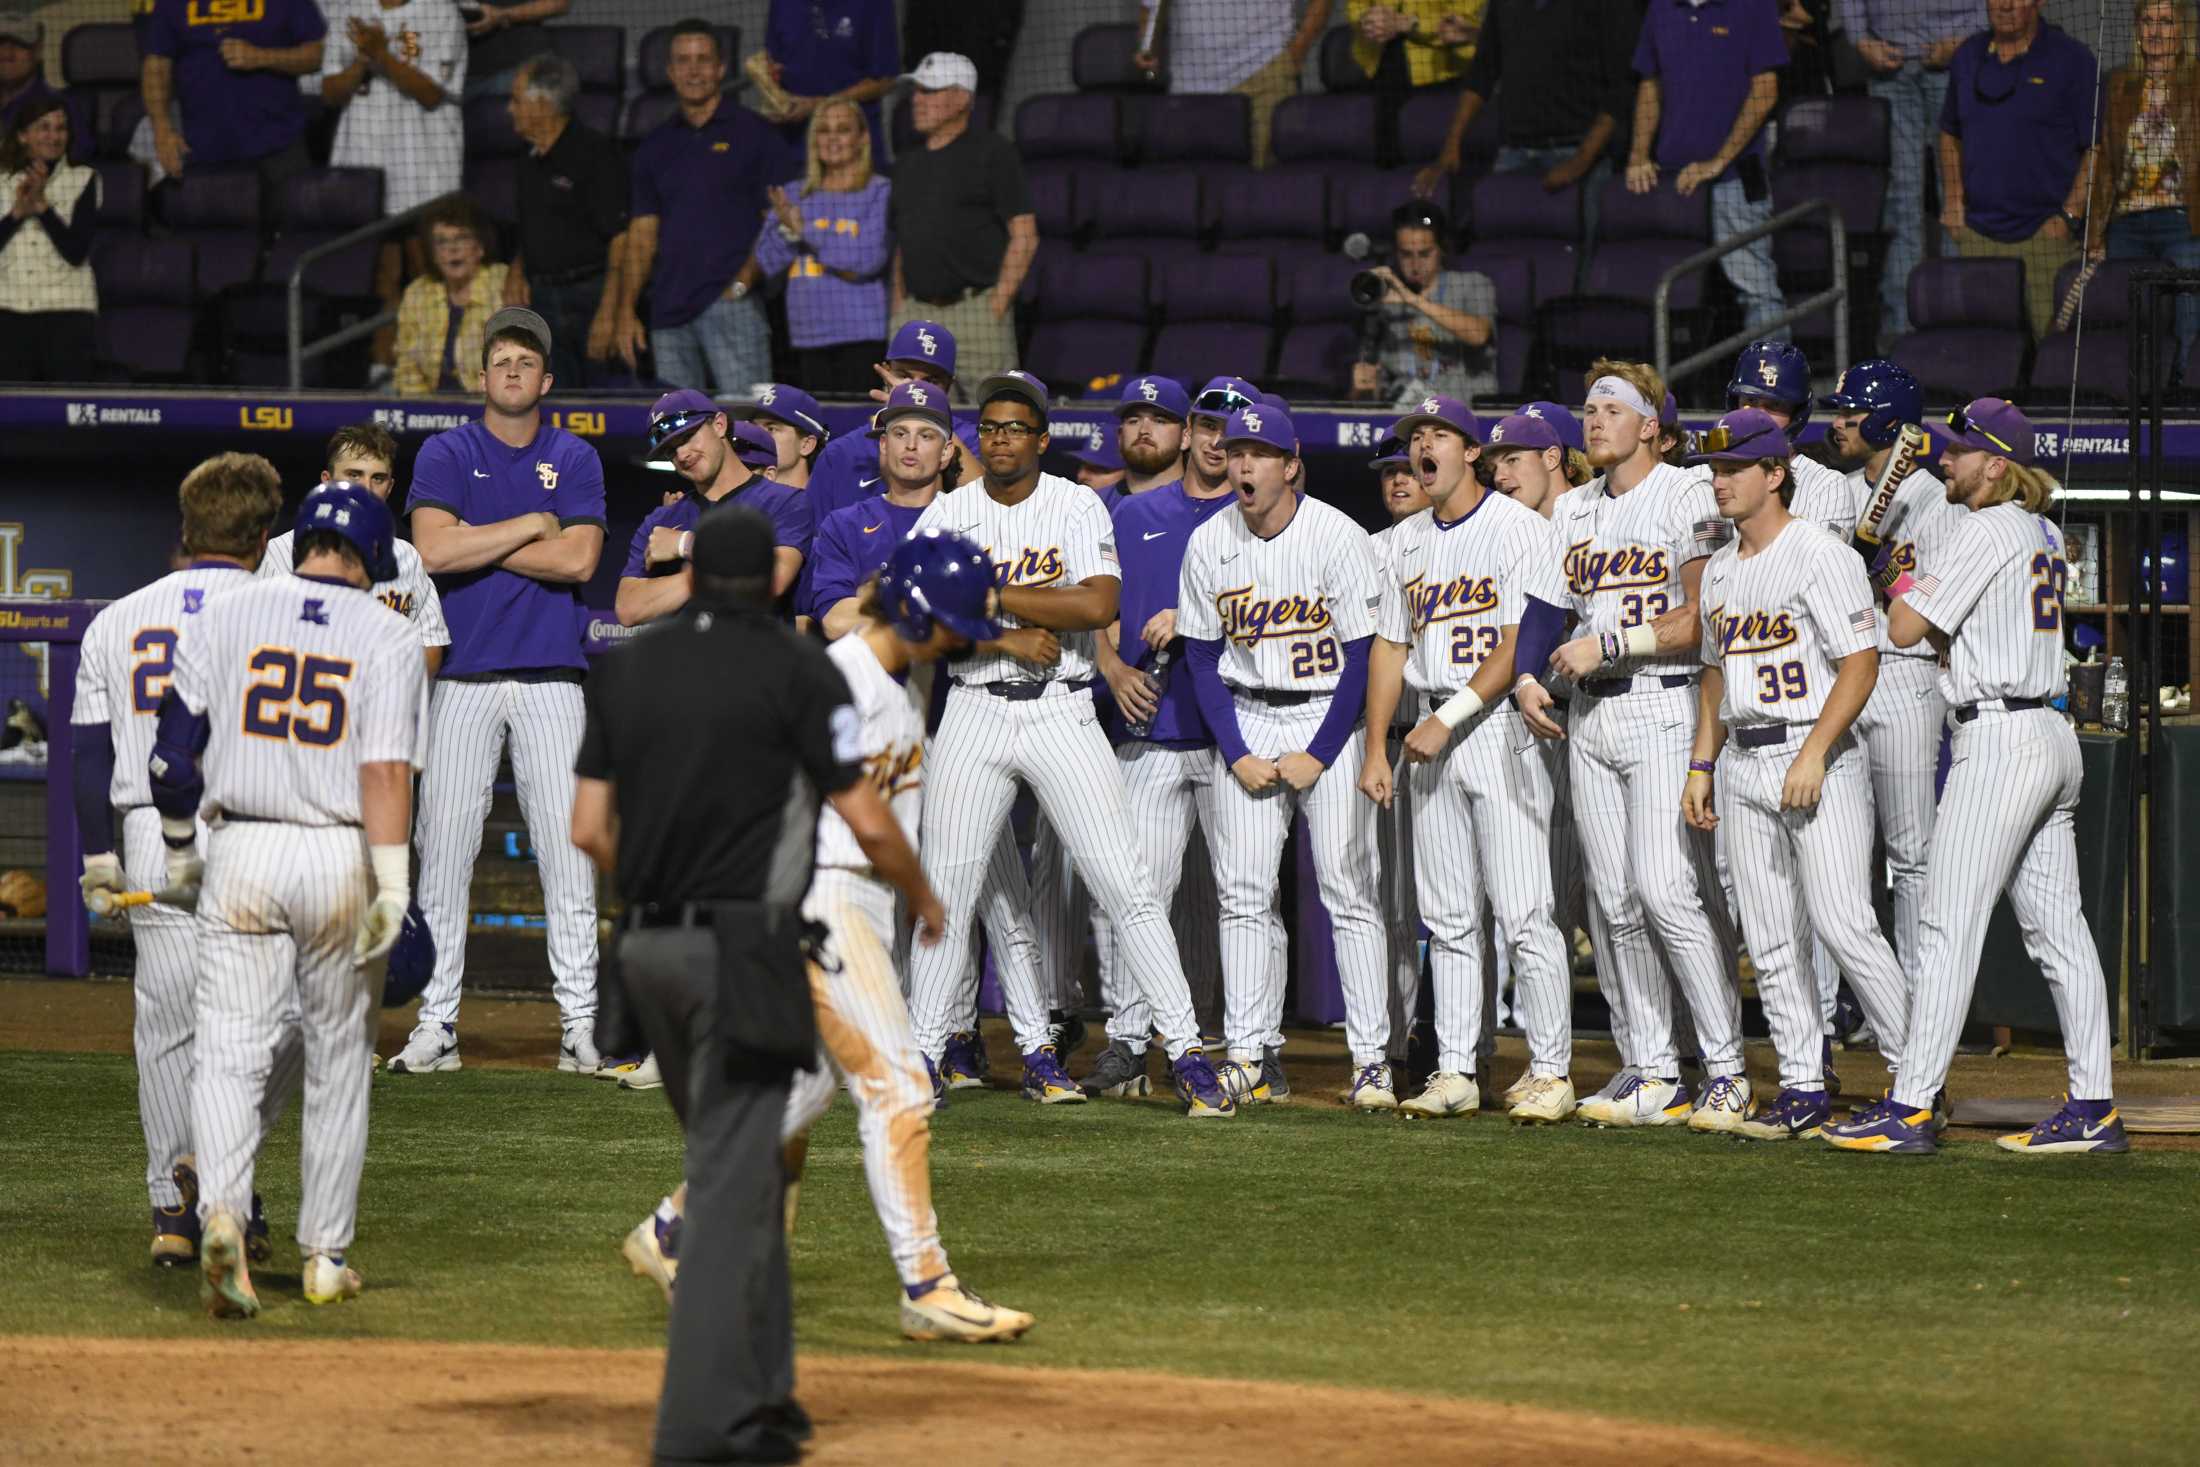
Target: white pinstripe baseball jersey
(1283, 607)
(421, 152)
(1623, 556)
(1918, 524)
(302, 681)
(1059, 535)
(1452, 589)
(1776, 622)
(128, 659)
(890, 746)
(412, 595)
(1996, 588)
(1825, 496)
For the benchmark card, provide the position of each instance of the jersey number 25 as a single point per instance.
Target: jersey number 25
(296, 697)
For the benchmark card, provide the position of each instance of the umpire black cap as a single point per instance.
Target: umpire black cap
(733, 541)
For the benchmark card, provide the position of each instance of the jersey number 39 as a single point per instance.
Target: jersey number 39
(296, 696)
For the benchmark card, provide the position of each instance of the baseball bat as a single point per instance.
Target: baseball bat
(2075, 295)
(1908, 444)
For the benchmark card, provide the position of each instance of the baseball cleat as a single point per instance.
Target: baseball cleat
(1884, 1126)
(1199, 1088)
(432, 1049)
(1448, 1093)
(1117, 1072)
(577, 1051)
(225, 1283)
(651, 1249)
(645, 1076)
(329, 1281)
(1372, 1088)
(1592, 1110)
(1065, 1031)
(1545, 1100)
(1518, 1089)
(175, 1236)
(616, 1067)
(2081, 1127)
(1942, 1110)
(939, 1086)
(1641, 1100)
(1046, 1081)
(1792, 1114)
(948, 1311)
(1272, 1077)
(1825, 1065)
(962, 1063)
(1725, 1104)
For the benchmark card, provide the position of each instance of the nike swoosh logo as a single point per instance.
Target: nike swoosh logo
(479, 474)
(1225, 560)
(1153, 534)
(872, 529)
(865, 483)
(2093, 1131)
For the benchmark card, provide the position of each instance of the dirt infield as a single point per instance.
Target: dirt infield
(126, 1401)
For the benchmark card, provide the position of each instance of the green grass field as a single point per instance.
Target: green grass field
(1965, 1308)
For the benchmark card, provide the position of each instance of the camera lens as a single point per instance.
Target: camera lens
(1367, 288)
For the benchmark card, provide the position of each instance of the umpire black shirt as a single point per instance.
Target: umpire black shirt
(1551, 66)
(950, 209)
(720, 732)
(572, 204)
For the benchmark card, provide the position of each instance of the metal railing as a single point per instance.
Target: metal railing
(303, 351)
(1837, 296)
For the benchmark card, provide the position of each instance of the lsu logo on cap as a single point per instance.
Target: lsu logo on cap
(1148, 390)
(546, 472)
(1530, 411)
(916, 395)
(767, 395)
(1429, 405)
(929, 342)
(1252, 421)
(1767, 372)
(1497, 434)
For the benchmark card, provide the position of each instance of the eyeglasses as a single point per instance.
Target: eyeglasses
(1962, 424)
(1014, 432)
(1222, 400)
(1725, 443)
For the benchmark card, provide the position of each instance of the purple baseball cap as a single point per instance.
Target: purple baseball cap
(1106, 456)
(1391, 452)
(1562, 421)
(1991, 425)
(1016, 383)
(1225, 395)
(1162, 394)
(1522, 431)
(1670, 413)
(753, 446)
(1444, 412)
(790, 405)
(1277, 401)
(914, 400)
(1745, 433)
(677, 414)
(1262, 424)
(924, 341)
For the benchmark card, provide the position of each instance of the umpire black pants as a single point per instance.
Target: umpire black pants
(729, 1361)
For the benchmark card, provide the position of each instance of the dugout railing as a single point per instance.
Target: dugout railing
(302, 351)
(1835, 296)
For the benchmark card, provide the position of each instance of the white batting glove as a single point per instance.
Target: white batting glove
(185, 873)
(378, 929)
(101, 882)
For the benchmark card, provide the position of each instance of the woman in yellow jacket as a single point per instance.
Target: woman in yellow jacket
(443, 319)
(1436, 37)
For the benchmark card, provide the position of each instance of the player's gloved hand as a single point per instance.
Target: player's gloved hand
(1426, 742)
(378, 929)
(1300, 770)
(102, 882)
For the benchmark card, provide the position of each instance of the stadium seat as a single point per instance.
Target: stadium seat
(1156, 215)
(1195, 131)
(101, 55)
(1315, 357)
(1836, 129)
(1282, 216)
(1069, 126)
(1424, 122)
(218, 210)
(1092, 317)
(1833, 148)
(1053, 201)
(1100, 60)
(493, 185)
(1315, 131)
(1968, 327)
(1515, 217)
(1218, 318)
(314, 208)
(2100, 354)
(598, 53)
(115, 116)
(656, 50)
(146, 290)
(1362, 201)
(1339, 71)
(646, 113)
(489, 131)
(121, 196)
(1512, 278)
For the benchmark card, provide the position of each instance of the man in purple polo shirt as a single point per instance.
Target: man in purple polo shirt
(2016, 147)
(508, 516)
(234, 71)
(913, 436)
(1708, 84)
(699, 196)
(717, 460)
(821, 49)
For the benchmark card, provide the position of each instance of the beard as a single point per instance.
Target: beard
(1848, 449)
(1148, 458)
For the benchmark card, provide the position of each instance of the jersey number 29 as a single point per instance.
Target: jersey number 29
(296, 697)
(1315, 656)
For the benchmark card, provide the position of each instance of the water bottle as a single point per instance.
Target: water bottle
(1157, 678)
(2116, 695)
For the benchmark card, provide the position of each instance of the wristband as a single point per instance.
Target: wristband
(685, 545)
(392, 871)
(1639, 641)
(1902, 584)
(1460, 707)
(1607, 648)
(1702, 766)
(179, 832)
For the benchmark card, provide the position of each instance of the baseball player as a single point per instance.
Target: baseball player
(365, 454)
(846, 471)
(1402, 498)
(129, 659)
(913, 441)
(1465, 583)
(797, 428)
(1991, 600)
(1019, 711)
(1774, 378)
(294, 724)
(508, 514)
(1635, 541)
(1277, 607)
(1790, 653)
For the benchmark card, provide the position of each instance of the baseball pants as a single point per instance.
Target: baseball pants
(1248, 850)
(863, 1029)
(278, 914)
(2007, 822)
(1170, 794)
(470, 723)
(1394, 855)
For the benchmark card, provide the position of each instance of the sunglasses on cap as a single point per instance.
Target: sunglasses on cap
(676, 425)
(1723, 442)
(1222, 401)
(1963, 425)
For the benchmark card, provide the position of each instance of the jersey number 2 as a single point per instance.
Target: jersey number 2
(156, 663)
(296, 696)
(2049, 572)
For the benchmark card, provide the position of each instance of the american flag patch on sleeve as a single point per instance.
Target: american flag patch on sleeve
(1107, 552)
(1864, 623)
(1713, 532)
(1928, 583)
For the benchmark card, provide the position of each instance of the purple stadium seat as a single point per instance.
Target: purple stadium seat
(212, 198)
(598, 53)
(227, 260)
(1053, 192)
(2100, 354)
(1316, 128)
(115, 116)
(1321, 291)
(121, 196)
(1197, 350)
(646, 113)
(1152, 214)
(1216, 288)
(1100, 59)
(1838, 129)
(1361, 201)
(1803, 252)
(1969, 327)
(1247, 207)
(656, 50)
(329, 201)
(1640, 237)
(1070, 125)
(102, 55)
(146, 287)
(1198, 131)
(1513, 280)
(1659, 214)
(1092, 317)
(1424, 122)
(489, 131)
(1315, 360)
(1577, 328)
(1339, 71)
(1515, 217)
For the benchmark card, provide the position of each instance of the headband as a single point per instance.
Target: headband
(1624, 393)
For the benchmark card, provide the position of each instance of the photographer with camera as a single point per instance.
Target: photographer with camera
(1427, 331)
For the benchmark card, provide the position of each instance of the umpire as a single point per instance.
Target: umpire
(700, 791)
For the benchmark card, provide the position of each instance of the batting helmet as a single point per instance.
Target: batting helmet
(1775, 371)
(353, 511)
(412, 960)
(1885, 393)
(939, 576)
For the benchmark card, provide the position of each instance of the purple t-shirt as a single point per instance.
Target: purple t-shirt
(851, 545)
(502, 621)
(846, 471)
(787, 509)
(2025, 128)
(705, 187)
(1703, 57)
(836, 280)
(1151, 531)
(233, 116)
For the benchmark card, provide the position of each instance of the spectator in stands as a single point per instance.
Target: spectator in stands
(825, 50)
(1710, 74)
(1414, 43)
(502, 37)
(1907, 44)
(232, 73)
(1434, 332)
(964, 233)
(572, 222)
(2146, 191)
(48, 298)
(2016, 147)
(23, 84)
(828, 236)
(699, 196)
(443, 321)
(1256, 48)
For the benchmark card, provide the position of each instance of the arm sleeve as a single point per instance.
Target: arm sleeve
(439, 480)
(1960, 67)
(834, 574)
(161, 36)
(773, 253)
(306, 23)
(1645, 60)
(1842, 608)
(1394, 617)
(1347, 706)
(828, 731)
(94, 747)
(1216, 706)
(181, 737)
(427, 608)
(1765, 49)
(1541, 626)
(1697, 526)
